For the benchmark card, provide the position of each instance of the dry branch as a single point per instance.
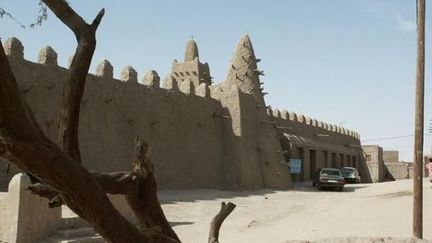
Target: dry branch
(44, 190)
(144, 201)
(216, 223)
(76, 78)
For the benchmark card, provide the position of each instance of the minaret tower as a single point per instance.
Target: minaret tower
(243, 70)
(191, 51)
(191, 69)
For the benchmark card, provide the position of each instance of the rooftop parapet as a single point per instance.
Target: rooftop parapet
(14, 48)
(325, 125)
(284, 114)
(48, 56)
(151, 79)
(129, 74)
(293, 116)
(170, 83)
(308, 120)
(333, 128)
(300, 118)
(187, 87)
(276, 113)
(202, 90)
(269, 112)
(344, 131)
(216, 92)
(105, 69)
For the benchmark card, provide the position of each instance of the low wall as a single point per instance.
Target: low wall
(398, 170)
(25, 217)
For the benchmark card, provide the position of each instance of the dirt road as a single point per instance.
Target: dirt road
(304, 213)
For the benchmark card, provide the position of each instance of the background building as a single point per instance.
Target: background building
(375, 162)
(395, 168)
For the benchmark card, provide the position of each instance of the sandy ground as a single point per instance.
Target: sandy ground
(304, 213)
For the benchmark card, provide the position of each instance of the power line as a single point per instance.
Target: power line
(390, 138)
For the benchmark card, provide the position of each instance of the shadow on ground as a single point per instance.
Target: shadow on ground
(180, 223)
(307, 187)
(362, 240)
(193, 195)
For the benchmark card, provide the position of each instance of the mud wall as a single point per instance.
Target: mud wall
(318, 144)
(185, 136)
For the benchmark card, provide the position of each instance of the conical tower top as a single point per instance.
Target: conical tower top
(191, 51)
(243, 69)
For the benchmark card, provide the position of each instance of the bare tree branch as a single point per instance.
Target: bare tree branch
(75, 81)
(98, 19)
(217, 221)
(67, 15)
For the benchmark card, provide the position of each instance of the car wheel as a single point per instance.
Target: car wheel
(341, 188)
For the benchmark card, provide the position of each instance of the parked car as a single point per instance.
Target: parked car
(330, 178)
(351, 175)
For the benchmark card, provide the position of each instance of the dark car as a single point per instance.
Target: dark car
(330, 178)
(350, 175)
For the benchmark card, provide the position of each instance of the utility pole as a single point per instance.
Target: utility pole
(419, 124)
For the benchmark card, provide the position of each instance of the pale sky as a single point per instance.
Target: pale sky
(350, 63)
